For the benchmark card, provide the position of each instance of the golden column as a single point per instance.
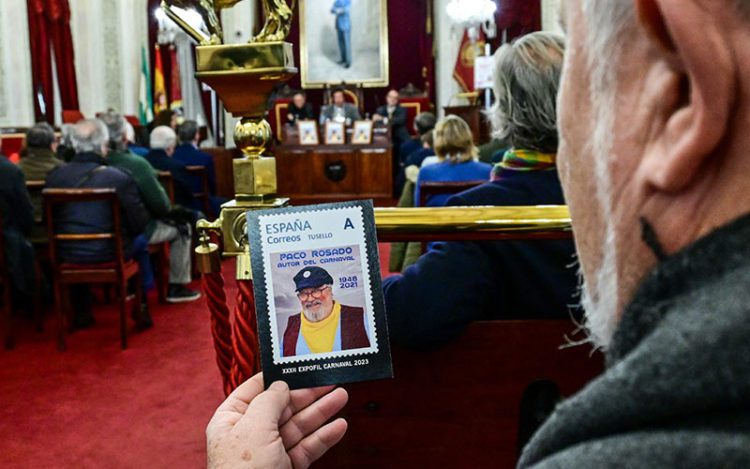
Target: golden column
(243, 75)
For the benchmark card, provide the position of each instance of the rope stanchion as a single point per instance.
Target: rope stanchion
(244, 335)
(221, 328)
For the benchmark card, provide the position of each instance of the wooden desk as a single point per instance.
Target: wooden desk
(329, 173)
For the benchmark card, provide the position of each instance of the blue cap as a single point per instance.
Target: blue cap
(311, 277)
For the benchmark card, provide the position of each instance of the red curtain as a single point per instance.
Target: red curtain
(49, 30)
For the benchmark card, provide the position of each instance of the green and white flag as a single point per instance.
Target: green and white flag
(145, 100)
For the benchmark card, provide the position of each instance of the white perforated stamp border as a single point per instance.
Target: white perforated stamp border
(279, 239)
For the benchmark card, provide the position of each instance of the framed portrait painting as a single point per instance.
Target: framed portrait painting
(362, 134)
(344, 41)
(308, 132)
(335, 133)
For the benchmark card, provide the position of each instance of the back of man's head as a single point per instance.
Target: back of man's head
(117, 127)
(42, 135)
(163, 138)
(526, 80)
(187, 132)
(90, 136)
(424, 122)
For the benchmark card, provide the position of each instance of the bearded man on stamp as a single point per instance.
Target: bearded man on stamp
(324, 325)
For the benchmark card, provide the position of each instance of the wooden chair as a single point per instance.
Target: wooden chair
(204, 195)
(460, 406)
(159, 253)
(353, 93)
(117, 272)
(165, 179)
(6, 321)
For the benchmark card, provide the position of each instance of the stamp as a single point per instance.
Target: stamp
(319, 300)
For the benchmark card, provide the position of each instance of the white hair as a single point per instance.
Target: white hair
(526, 80)
(89, 136)
(608, 21)
(162, 138)
(129, 132)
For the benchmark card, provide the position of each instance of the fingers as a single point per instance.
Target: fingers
(308, 420)
(302, 398)
(314, 446)
(235, 405)
(266, 409)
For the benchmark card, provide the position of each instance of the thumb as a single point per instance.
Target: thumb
(266, 409)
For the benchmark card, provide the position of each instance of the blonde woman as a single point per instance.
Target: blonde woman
(456, 159)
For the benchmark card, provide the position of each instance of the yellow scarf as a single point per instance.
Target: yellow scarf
(321, 335)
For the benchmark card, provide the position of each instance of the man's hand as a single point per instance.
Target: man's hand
(274, 428)
(377, 118)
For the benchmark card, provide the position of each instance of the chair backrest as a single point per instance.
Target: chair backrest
(460, 405)
(353, 93)
(167, 182)
(277, 117)
(199, 172)
(71, 116)
(429, 189)
(34, 187)
(54, 198)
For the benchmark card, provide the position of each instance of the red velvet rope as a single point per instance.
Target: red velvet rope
(221, 328)
(244, 335)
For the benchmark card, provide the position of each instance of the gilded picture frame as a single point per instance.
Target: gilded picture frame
(307, 131)
(335, 133)
(362, 133)
(329, 57)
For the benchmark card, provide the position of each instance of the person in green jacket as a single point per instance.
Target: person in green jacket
(163, 226)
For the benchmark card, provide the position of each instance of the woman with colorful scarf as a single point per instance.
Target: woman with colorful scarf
(456, 283)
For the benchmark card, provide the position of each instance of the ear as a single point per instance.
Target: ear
(695, 49)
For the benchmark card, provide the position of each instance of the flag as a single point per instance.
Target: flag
(145, 104)
(175, 92)
(160, 90)
(463, 72)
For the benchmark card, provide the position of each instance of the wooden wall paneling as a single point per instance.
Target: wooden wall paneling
(294, 171)
(374, 176)
(331, 162)
(223, 158)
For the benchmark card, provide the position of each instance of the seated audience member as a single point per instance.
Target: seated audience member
(163, 142)
(65, 151)
(456, 154)
(428, 150)
(17, 217)
(660, 209)
(133, 146)
(459, 282)
(394, 115)
(89, 170)
(423, 123)
(40, 159)
(299, 109)
(162, 225)
(167, 118)
(189, 153)
(339, 110)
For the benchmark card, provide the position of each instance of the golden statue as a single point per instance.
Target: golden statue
(278, 21)
(276, 28)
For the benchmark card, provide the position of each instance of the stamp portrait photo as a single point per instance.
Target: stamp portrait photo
(319, 301)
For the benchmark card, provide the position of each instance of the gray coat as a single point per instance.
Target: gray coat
(677, 389)
(350, 112)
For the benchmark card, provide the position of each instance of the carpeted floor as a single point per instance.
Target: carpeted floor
(96, 406)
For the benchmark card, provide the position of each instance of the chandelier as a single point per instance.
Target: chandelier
(472, 15)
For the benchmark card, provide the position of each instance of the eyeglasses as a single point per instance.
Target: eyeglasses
(311, 292)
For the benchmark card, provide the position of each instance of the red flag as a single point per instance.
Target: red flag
(175, 91)
(463, 72)
(160, 90)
